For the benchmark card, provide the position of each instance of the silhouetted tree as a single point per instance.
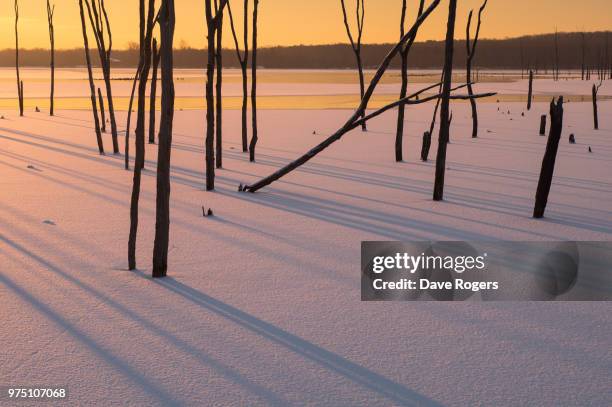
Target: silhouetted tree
(50, 11)
(92, 87)
(146, 32)
(102, 116)
(356, 44)
(162, 209)
(471, 51)
(98, 18)
(530, 93)
(153, 93)
(243, 59)
(550, 156)
(129, 115)
(594, 92)
(443, 137)
(399, 136)
(212, 18)
(254, 134)
(19, 81)
(543, 125)
(354, 121)
(219, 88)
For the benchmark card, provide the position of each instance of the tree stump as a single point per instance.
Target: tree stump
(426, 146)
(550, 156)
(543, 125)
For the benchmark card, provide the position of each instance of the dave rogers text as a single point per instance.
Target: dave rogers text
(425, 284)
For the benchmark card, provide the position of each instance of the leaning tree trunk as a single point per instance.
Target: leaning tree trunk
(162, 208)
(254, 136)
(530, 93)
(364, 126)
(92, 87)
(219, 88)
(443, 137)
(152, 99)
(129, 117)
(139, 133)
(595, 114)
(550, 156)
(102, 116)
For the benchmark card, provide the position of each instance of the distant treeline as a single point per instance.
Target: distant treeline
(536, 52)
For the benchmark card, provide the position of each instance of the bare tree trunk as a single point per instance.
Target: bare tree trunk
(443, 137)
(356, 44)
(92, 87)
(254, 136)
(153, 95)
(543, 125)
(102, 116)
(399, 136)
(426, 146)
(595, 114)
(550, 156)
(471, 51)
(530, 93)
(100, 25)
(129, 117)
(210, 107)
(145, 56)
(19, 82)
(219, 89)
(50, 11)
(356, 115)
(162, 219)
(243, 60)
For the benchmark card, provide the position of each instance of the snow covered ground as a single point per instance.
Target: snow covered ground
(262, 306)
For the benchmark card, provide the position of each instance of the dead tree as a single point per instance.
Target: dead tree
(254, 134)
(219, 89)
(530, 93)
(471, 51)
(146, 32)
(356, 44)
(50, 11)
(543, 125)
(153, 93)
(243, 59)
(595, 91)
(550, 156)
(355, 118)
(426, 146)
(102, 116)
(129, 116)
(162, 207)
(443, 137)
(19, 81)
(399, 136)
(212, 24)
(92, 87)
(98, 18)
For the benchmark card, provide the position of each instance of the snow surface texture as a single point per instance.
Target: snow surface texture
(262, 304)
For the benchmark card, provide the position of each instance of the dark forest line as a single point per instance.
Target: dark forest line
(536, 52)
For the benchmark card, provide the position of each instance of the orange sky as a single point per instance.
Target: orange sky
(288, 22)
